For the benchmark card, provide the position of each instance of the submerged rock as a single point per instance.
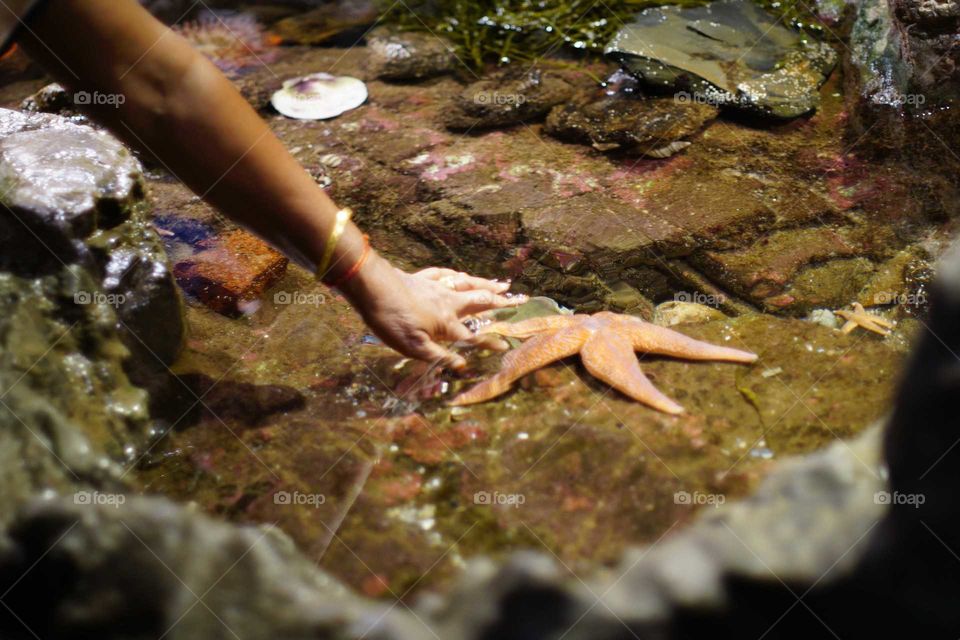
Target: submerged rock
(655, 127)
(727, 53)
(232, 272)
(408, 55)
(507, 99)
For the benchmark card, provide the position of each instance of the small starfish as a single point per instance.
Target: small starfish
(860, 318)
(606, 342)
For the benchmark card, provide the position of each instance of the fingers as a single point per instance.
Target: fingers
(429, 351)
(466, 282)
(479, 300)
(490, 341)
(458, 332)
(460, 281)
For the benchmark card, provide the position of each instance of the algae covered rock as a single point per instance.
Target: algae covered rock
(900, 76)
(506, 99)
(727, 53)
(83, 282)
(655, 127)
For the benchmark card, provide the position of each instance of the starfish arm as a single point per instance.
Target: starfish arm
(533, 354)
(848, 326)
(609, 357)
(876, 327)
(651, 338)
(883, 322)
(529, 327)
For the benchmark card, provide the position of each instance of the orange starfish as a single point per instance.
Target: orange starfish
(606, 342)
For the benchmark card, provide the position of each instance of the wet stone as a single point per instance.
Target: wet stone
(232, 272)
(76, 195)
(656, 127)
(408, 55)
(51, 98)
(900, 75)
(728, 53)
(507, 99)
(61, 182)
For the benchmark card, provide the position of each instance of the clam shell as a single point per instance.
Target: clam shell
(319, 96)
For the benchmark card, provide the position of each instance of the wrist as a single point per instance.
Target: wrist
(360, 288)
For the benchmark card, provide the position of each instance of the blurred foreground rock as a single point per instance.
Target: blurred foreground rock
(145, 568)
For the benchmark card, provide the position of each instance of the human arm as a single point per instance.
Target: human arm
(178, 107)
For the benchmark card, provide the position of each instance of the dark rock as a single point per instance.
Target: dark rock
(507, 99)
(655, 127)
(169, 11)
(916, 552)
(408, 55)
(52, 98)
(727, 53)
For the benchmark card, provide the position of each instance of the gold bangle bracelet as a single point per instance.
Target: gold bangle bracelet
(343, 217)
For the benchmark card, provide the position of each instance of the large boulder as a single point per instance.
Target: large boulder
(72, 195)
(88, 303)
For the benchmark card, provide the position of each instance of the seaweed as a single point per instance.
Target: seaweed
(504, 31)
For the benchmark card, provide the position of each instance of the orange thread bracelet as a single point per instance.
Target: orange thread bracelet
(355, 269)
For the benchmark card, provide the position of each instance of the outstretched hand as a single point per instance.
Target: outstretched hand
(415, 312)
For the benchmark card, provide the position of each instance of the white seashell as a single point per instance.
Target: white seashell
(668, 150)
(319, 96)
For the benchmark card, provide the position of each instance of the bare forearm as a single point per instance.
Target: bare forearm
(178, 107)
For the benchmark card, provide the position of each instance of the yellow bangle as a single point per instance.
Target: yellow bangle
(343, 217)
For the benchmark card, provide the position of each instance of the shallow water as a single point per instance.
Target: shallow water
(305, 422)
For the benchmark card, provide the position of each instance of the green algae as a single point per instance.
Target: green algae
(519, 30)
(524, 30)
